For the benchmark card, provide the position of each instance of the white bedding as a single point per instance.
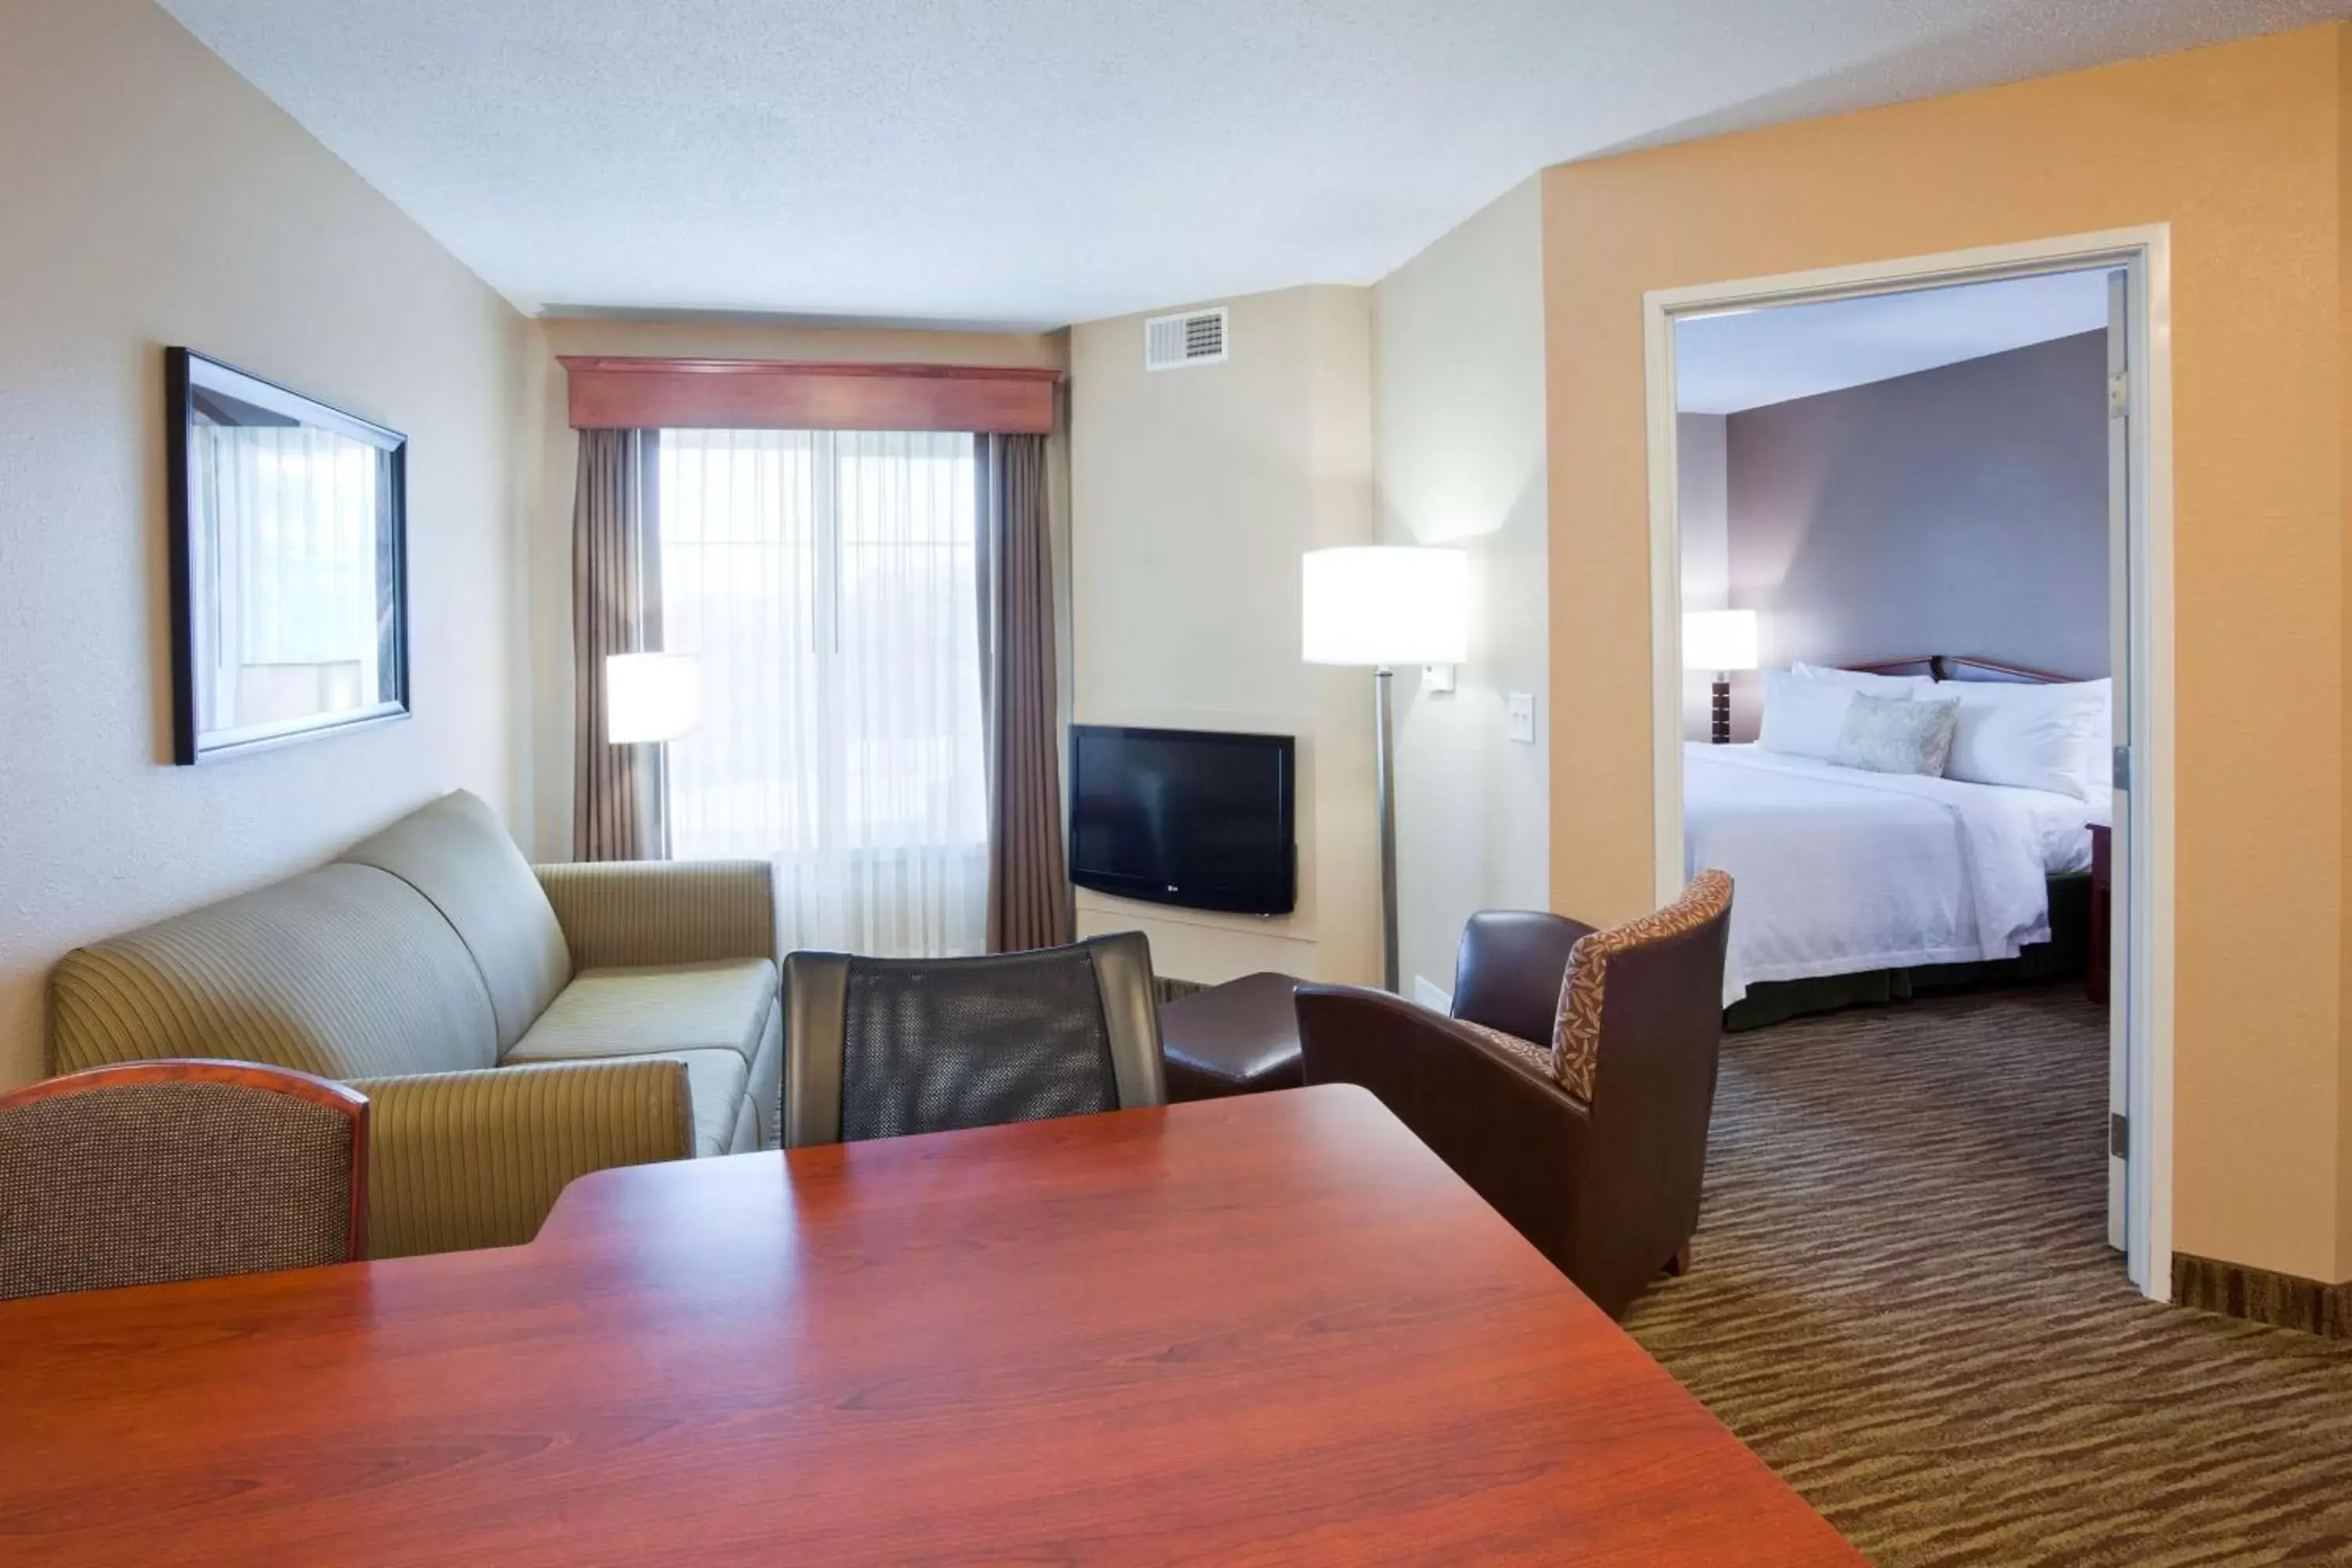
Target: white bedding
(1836, 871)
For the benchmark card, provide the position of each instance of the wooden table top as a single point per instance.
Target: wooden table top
(1270, 1328)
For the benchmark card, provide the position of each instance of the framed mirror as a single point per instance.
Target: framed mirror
(289, 598)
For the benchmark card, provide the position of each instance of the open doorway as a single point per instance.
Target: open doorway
(1831, 546)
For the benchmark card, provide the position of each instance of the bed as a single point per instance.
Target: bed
(1857, 886)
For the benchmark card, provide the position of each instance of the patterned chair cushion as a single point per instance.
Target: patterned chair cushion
(1576, 1032)
(1526, 1054)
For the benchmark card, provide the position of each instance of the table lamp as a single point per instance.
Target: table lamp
(1719, 641)
(1383, 606)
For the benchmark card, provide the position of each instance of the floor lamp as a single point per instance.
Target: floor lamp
(651, 700)
(1384, 606)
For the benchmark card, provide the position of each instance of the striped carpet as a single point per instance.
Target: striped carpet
(1902, 1299)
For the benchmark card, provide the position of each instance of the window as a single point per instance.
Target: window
(829, 583)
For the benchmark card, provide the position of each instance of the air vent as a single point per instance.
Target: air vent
(1197, 337)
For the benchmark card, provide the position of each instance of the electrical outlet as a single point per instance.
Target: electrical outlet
(1522, 708)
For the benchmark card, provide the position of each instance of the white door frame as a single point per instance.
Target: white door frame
(2142, 982)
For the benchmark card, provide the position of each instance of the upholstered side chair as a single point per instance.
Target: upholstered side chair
(878, 1047)
(148, 1173)
(1573, 1084)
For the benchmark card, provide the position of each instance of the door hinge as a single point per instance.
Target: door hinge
(2118, 1136)
(2118, 394)
(2121, 777)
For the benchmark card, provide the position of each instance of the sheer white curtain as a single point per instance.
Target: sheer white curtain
(827, 582)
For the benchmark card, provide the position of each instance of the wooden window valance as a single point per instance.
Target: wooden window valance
(773, 395)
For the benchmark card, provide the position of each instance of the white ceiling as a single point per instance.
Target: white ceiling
(1726, 364)
(1050, 161)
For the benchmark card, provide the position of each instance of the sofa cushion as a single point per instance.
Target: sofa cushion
(716, 1079)
(720, 1005)
(455, 852)
(345, 972)
(766, 1091)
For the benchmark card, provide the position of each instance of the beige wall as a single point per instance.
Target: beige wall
(149, 196)
(2239, 148)
(1193, 492)
(548, 548)
(1458, 430)
(2344, 592)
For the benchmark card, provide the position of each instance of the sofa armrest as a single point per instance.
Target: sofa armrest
(1516, 1138)
(621, 913)
(459, 1160)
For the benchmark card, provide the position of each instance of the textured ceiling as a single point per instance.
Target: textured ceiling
(1726, 364)
(1062, 159)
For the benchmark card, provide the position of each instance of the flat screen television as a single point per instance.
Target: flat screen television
(1193, 817)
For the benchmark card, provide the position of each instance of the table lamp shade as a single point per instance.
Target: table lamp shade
(1386, 605)
(1720, 639)
(651, 697)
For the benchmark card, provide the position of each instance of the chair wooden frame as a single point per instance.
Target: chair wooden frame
(325, 1093)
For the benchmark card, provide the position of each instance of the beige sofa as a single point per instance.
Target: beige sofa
(512, 1027)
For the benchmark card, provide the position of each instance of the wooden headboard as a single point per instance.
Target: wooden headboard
(1961, 667)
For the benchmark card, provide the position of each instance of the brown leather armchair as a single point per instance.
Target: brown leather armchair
(1573, 1084)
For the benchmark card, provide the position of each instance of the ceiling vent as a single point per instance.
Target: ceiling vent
(1196, 337)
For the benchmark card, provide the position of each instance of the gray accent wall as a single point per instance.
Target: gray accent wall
(1962, 510)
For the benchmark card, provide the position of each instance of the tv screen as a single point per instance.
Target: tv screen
(1183, 816)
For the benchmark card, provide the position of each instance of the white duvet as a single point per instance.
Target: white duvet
(1837, 870)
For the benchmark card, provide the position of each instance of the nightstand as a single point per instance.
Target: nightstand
(2095, 973)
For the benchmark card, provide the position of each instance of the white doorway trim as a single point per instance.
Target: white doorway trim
(2144, 982)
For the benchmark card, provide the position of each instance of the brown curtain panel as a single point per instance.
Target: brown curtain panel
(1028, 885)
(616, 791)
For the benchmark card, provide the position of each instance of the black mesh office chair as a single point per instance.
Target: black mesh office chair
(879, 1048)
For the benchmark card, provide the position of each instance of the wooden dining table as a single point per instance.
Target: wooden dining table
(1268, 1329)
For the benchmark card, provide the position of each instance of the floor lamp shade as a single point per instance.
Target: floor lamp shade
(651, 697)
(1383, 604)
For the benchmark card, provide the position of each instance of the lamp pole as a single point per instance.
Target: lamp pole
(1383, 680)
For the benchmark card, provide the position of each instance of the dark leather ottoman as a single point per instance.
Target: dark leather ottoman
(1235, 1039)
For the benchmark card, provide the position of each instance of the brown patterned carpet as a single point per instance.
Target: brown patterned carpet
(1903, 1299)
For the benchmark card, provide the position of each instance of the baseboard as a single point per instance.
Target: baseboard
(2260, 1296)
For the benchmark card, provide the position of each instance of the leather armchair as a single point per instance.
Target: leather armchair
(1606, 1181)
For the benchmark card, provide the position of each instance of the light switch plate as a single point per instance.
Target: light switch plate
(1522, 708)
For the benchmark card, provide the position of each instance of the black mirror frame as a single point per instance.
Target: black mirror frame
(183, 369)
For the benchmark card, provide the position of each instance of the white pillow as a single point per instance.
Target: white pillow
(1863, 680)
(2050, 738)
(1803, 717)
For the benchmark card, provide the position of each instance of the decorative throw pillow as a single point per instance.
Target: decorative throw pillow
(1896, 735)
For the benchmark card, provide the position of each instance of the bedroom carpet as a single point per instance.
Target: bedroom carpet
(1902, 1299)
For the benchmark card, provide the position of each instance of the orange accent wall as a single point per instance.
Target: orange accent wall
(2243, 148)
